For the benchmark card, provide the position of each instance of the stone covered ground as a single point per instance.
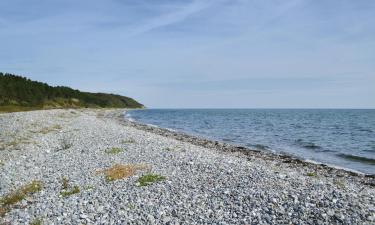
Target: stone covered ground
(85, 167)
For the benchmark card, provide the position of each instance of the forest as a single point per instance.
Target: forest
(18, 93)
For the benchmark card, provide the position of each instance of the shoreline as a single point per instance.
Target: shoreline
(246, 151)
(66, 155)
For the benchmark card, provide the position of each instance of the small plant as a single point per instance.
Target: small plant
(311, 174)
(74, 190)
(36, 221)
(113, 150)
(149, 179)
(65, 183)
(65, 186)
(128, 141)
(170, 149)
(47, 130)
(119, 171)
(65, 144)
(18, 195)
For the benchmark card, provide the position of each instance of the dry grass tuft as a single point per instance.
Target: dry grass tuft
(47, 130)
(119, 171)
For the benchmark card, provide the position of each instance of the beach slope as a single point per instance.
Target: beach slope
(90, 167)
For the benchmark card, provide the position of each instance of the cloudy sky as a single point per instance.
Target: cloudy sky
(198, 53)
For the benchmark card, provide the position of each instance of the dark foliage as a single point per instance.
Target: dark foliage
(22, 93)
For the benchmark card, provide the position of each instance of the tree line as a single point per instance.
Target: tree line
(21, 91)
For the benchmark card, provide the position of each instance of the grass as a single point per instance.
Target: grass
(14, 143)
(148, 179)
(74, 190)
(47, 130)
(65, 186)
(128, 141)
(65, 144)
(36, 221)
(15, 108)
(65, 183)
(113, 150)
(119, 171)
(18, 195)
(311, 174)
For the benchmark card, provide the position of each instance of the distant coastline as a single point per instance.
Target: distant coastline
(21, 94)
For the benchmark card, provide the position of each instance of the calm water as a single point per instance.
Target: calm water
(344, 138)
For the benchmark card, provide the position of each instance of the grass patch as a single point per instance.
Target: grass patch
(36, 221)
(119, 171)
(15, 108)
(113, 150)
(65, 183)
(65, 186)
(311, 174)
(74, 190)
(13, 144)
(65, 144)
(148, 179)
(18, 195)
(128, 141)
(47, 130)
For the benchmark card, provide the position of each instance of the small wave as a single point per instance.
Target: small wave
(152, 125)
(259, 146)
(172, 130)
(227, 139)
(307, 144)
(357, 158)
(129, 117)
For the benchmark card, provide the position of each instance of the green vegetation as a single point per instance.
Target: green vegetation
(311, 174)
(113, 150)
(65, 144)
(21, 94)
(74, 190)
(65, 185)
(18, 195)
(149, 179)
(36, 221)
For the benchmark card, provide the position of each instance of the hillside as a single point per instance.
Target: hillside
(19, 93)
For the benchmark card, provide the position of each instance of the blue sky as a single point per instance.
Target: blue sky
(190, 53)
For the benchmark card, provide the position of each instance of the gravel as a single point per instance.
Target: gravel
(206, 182)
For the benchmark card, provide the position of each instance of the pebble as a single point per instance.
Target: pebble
(205, 183)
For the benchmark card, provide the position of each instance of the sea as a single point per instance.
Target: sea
(342, 138)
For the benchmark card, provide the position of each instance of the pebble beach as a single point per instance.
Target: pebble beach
(162, 177)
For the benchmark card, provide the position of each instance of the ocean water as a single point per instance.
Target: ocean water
(340, 137)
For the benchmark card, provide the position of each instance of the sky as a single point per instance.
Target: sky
(198, 53)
